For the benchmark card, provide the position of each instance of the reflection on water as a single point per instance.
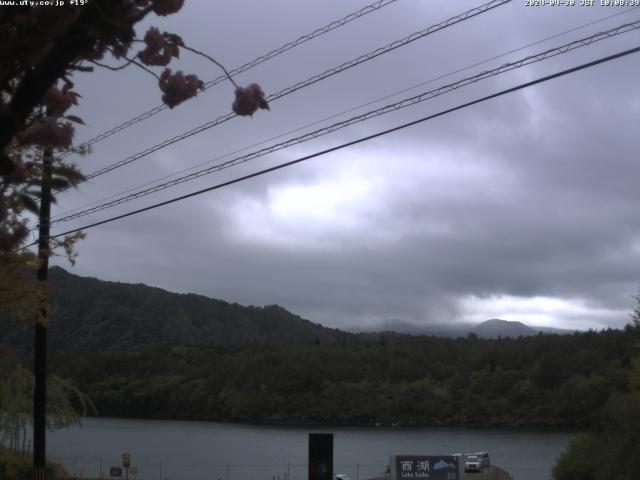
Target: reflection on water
(209, 451)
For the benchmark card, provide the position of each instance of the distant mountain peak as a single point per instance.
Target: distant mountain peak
(492, 328)
(501, 322)
(496, 327)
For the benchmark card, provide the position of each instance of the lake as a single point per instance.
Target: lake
(177, 450)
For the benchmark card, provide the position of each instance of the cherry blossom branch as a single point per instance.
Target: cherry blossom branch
(143, 13)
(113, 69)
(208, 57)
(129, 61)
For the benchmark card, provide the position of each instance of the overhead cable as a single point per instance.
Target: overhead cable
(344, 112)
(305, 83)
(353, 142)
(255, 62)
(362, 117)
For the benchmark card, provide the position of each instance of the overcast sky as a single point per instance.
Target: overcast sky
(526, 207)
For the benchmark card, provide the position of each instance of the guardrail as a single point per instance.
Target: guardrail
(99, 468)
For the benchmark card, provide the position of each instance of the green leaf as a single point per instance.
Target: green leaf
(68, 172)
(74, 118)
(58, 183)
(29, 203)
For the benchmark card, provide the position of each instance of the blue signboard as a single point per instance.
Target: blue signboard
(425, 467)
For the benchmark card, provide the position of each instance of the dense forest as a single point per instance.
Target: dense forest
(143, 352)
(167, 355)
(543, 380)
(610, 449)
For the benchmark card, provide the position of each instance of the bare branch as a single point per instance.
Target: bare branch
(81, 68)
(198, 52)
(143, 13)
(130, 61)
(113, 69)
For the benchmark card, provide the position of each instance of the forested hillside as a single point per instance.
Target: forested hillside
(139, 351)
(94, 315)
(560, 380)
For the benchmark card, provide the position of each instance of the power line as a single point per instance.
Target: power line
(354, 142)
(403, 103)
(253, 63)
(352, 109)
(310, 81)
(363, 117)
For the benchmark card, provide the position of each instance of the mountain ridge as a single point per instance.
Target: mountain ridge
(100, 315)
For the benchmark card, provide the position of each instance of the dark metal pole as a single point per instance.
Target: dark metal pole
(320, 456)
(40, 346)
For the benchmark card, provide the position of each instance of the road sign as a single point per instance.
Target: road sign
(115, 472)
(425, 467)
(126, 460)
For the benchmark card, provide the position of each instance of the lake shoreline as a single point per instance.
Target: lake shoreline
(539, 428)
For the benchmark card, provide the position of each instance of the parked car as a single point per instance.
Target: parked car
(484, 458)
(343, 476)
(472, 464)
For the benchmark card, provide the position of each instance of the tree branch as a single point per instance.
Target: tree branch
(78, 41)
(109, 67)
(130, 61)
(143, 13)
(38, 80)
(81, 68)
(198, 52)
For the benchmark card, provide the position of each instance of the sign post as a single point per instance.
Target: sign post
(126, 463)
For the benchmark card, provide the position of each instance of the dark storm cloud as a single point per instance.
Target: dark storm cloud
(523, 206)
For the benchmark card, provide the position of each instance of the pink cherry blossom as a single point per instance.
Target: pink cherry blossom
(57, 101)
(48, 132)
(157, 51)
(177, 87)
(97, 53)
(167, 7)
(249, 99)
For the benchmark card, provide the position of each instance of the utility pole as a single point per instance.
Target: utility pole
(40, 346)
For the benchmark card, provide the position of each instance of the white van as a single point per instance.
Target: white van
(484, 458)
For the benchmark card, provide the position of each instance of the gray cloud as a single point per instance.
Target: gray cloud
(522, 207)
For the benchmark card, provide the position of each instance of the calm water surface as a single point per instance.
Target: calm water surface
(210, 451)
